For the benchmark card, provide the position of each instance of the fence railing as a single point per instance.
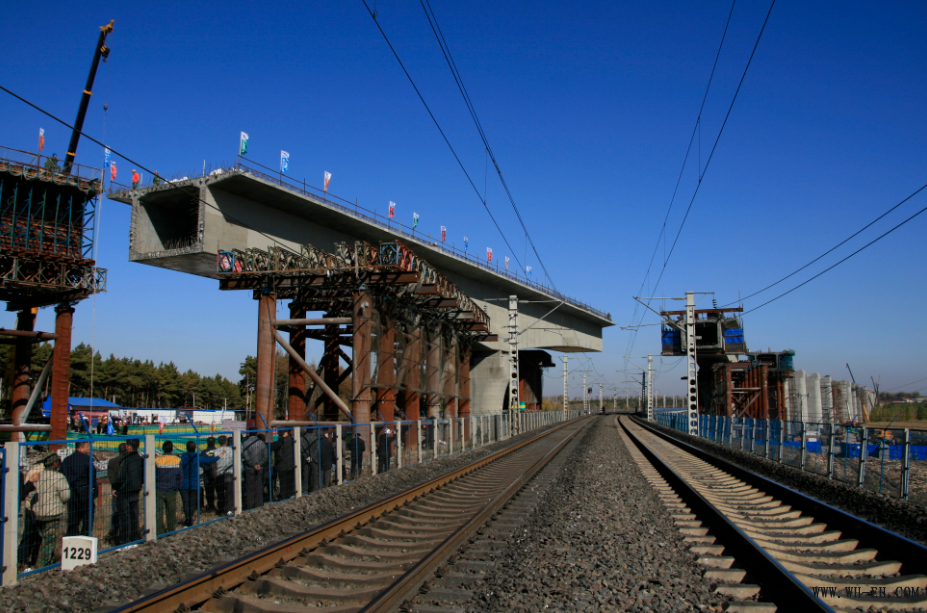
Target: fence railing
(125, 490)
(890, 461)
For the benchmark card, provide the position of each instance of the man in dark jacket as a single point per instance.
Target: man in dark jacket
(317, 452)
(127, 490)
(209, 477)
(329, 458)
(77, 468)
(112, 471)
(355, 448)
(253, 463)
(284, 449)
(384, 448)
(190, 464)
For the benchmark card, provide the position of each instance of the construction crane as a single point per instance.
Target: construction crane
(101, 51)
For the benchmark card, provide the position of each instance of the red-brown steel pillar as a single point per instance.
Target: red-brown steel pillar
(451, 359)
(266, 358)
(363, 328)
(728, 391)
(386, 370)
(61, 372)
(463, 387)
(22, 361)
(331, 372)
(433, 370)
(413, 357)
(297, 378)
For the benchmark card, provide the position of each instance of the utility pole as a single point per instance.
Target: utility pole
(601, 402)
(649, 388)
(566, 384)
(691, 365)
(585, 396)
(514, 404)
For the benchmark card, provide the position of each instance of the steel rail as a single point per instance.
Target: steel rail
(393, 596)
(782, 586)
(911, 554)
(195, 591)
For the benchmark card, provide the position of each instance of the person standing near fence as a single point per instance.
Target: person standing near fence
(190, 488)
(284, 449)
(384, 447)
(77, 468)
(209, 477)
(112, 472)
(168, 479)
(356, 448)
(127, 490)
(224, 492)
(48, 503)
(253, 460)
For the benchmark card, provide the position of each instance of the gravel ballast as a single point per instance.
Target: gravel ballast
(125, 575)
(601, 540)
(905, 518)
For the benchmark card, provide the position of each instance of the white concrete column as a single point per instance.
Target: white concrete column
(151, 501)
(339, 451)
(11, 513)
(813, 384)
(373, 448)
(236, 471)
(398, 443)
(298, 458)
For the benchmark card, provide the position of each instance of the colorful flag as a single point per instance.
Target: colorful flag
(243, 144)
(489, 254)
(106, 155)
(443, 234)
(506, 262)
(414, 220)
(112, 170)
(466, 244)
(528, 271)
(328, 177)
(284, 161)
(41, 139)
(392, 209)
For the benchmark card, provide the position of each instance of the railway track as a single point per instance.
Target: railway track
(771, 546)
(372, 559)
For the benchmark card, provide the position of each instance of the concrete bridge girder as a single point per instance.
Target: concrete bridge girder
(179, 229)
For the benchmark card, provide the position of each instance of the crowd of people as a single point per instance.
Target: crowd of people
(63, 496)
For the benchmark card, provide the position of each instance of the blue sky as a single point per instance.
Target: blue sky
(588, 107)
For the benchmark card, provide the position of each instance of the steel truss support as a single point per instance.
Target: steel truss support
(691, 365)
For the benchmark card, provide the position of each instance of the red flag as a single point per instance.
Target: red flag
(489, 254)
(443, 234)
(112, 171)
(41, 139)
(392, 209)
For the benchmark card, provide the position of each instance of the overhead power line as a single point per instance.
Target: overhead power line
(449, 58)
(373, 16)
(703, 171)
(832, 249)
(829, 268)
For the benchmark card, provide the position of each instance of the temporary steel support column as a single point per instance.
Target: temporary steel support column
(61, 372)
(297, 378)
(330, 371)
(691, 366)
(363, 313)
(25, 322)
(266, 352)
(386, 369)
(463, 387)
(433, 371)
(413, 359)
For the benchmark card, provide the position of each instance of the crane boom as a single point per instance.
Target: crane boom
(101, 51)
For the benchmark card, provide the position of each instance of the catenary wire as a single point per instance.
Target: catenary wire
(449, 58)
(712, 152)
(443, 135)
(832, 249)
(829, 268)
